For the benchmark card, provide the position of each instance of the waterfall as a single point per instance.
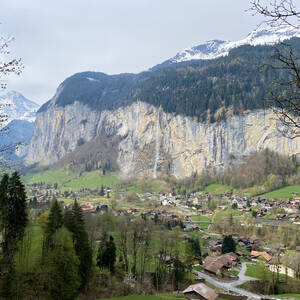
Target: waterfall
(157, 146)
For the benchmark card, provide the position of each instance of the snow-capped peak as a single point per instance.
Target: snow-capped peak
(216, 48)
(17, 107)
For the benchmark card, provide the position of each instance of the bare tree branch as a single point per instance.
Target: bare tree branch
(8, 66)
(284, 99)
(276, 12)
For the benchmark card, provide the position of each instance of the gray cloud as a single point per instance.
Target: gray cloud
(58, 38)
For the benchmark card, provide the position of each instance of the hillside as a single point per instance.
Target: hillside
(198, 88)
(18, 115)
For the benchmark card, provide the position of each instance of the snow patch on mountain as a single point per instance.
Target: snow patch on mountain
(17, 107)
(18, 125)
(217, 48)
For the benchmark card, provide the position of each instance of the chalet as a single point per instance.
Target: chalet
(261, 255)
(200, 291)
(220, 264)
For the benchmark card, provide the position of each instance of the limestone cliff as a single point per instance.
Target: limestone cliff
(152, 142)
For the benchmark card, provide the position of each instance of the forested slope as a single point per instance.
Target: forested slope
(209, 90)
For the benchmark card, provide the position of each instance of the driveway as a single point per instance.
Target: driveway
(232, 286)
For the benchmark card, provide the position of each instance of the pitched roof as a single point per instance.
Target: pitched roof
(203, 290)
(215, 263)
(264, 255)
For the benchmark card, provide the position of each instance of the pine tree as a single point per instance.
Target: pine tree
(7, 290)
(102, 191)
(195, 244)
(60, 267)
(178, 272)
(228, 244)
(156, 219)
(4, 202)
(55, 221)
(13, 214)
(106, 257)
(68, 219)
(75, 223)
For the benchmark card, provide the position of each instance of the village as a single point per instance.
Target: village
(201, 215)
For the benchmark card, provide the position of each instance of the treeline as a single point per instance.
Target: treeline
(209, 90)
(190, 184)
(63, 266)
(266, 169)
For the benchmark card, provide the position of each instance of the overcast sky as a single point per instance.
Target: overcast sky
(58, 38)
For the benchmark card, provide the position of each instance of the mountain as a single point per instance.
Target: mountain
(17, 107)
(21, 114)
(177, 119)
(218, 48)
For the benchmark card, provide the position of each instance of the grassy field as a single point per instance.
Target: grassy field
(150, 297)
(219, 215)
(91, 180)
(284, 193)
(154, 186)
(50, 177)
(201, 218)
(260, 271)
(217, 189)
(283, 296)
(67, 180)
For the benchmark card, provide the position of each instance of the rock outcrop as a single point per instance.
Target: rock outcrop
(152, 142)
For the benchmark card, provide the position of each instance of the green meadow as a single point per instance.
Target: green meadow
(68, 180)
(285, 193)
(149, 297)
(217, 189)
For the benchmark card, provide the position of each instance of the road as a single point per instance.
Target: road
(232, 286)
(272, 222)
(197, 222)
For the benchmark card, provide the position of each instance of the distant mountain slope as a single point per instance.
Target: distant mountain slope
(17, 107)
(19, 127)
(19, 131)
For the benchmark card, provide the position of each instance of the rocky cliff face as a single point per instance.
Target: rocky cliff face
(152, 142)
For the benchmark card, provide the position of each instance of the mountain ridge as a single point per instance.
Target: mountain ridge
(19, 124)
(18, 107)
(216, 48)
(209, 90)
